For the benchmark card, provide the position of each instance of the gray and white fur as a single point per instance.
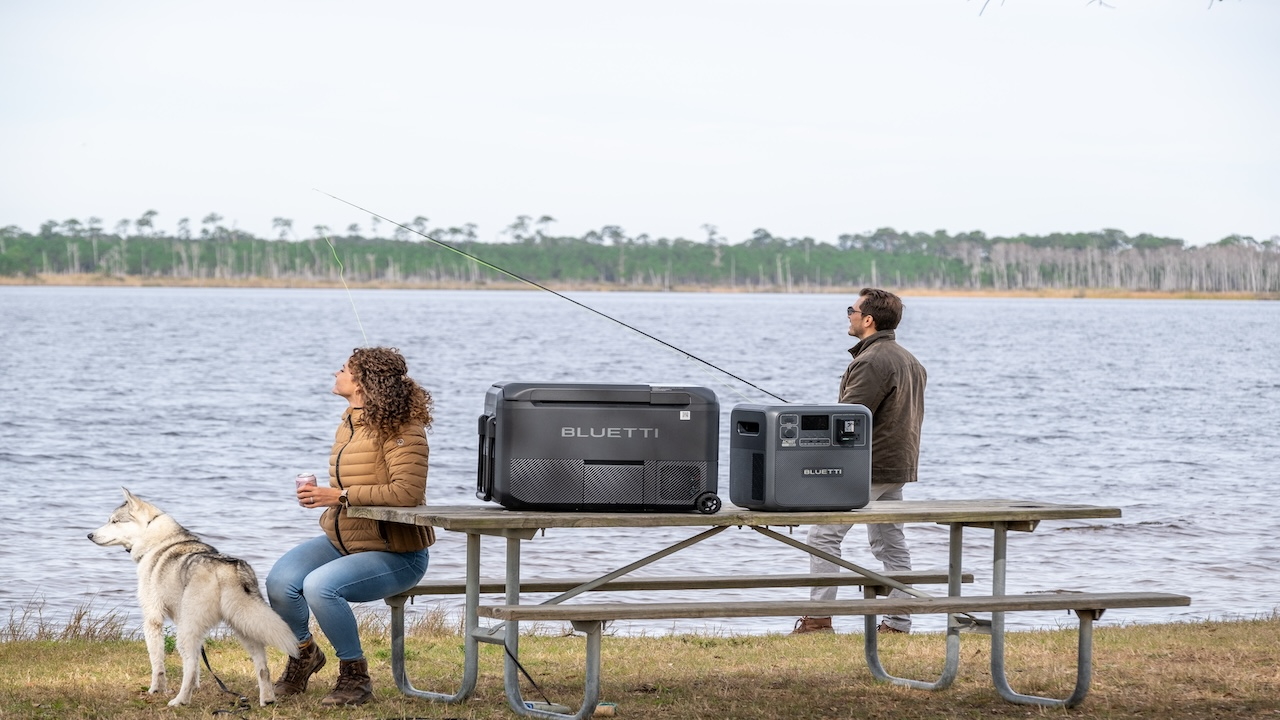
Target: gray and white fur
(186, 580)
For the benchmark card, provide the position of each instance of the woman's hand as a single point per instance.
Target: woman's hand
(314, 496)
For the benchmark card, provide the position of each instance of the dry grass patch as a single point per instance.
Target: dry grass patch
(1162, 672)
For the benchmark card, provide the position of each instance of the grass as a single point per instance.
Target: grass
(91, 670)
(85, 623)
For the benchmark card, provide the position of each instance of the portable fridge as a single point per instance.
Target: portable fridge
(800, 457)
(599, 447)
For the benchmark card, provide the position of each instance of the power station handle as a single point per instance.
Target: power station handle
(591, 395)
(484, 464)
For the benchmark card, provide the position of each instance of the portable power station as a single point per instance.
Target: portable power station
(800, 457)
(599, 447)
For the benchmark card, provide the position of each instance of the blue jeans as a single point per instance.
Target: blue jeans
(315, 578)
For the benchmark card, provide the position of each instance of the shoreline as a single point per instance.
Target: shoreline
(135, 281)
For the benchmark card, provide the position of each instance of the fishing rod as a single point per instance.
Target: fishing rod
(562, 296)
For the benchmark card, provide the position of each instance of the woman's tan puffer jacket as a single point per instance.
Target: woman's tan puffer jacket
(391, 473)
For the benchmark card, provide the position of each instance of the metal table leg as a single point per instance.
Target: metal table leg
(951, 664)
(471, 655)
(511, 668)
(592, 629)
(1084, 651)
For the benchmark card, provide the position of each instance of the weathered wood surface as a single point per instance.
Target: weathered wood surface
(878, 606)
(480, 518)
(686, 582)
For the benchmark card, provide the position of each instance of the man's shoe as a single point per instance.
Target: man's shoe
(808, 624)
(887, 629)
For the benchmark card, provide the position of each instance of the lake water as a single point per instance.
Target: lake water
(208, 401)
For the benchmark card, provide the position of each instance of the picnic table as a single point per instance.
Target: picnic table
(998, 515)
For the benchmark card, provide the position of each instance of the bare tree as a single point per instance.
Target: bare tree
(95, 229)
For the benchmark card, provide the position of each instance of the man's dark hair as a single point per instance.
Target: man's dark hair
(883, 306)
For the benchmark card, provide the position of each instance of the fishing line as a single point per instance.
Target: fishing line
(341, 273)
(562, 296)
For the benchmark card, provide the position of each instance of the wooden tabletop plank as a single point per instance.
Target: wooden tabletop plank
(479, 518)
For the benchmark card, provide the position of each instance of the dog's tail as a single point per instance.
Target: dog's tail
(251, 617)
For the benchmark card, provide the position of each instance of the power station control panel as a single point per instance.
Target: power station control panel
(825, 430)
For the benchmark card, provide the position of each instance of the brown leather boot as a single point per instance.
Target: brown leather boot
(808, 624)
(300, 669)
(354, 685)
(885, 628)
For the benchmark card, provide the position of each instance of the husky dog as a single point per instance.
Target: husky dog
(186, 580)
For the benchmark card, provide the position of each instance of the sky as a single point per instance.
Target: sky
(806, 117)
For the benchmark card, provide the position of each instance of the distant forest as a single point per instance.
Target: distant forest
(612, 258)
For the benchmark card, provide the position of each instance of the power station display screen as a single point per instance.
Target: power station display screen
(815, 422)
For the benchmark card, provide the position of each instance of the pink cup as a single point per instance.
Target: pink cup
(303, 480)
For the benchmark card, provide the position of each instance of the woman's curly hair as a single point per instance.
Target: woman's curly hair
(392, 399)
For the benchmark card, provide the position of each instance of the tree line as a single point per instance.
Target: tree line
(611, 257)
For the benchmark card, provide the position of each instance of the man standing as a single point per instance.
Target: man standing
(890, 382)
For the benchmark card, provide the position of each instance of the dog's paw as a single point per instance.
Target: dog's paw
(179, 701)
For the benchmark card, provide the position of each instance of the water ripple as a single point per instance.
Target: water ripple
(209, 401)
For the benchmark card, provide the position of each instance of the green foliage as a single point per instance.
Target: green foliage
(610, 257)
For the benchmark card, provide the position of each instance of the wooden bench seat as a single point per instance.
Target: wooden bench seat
(877, 606)
(589, 618)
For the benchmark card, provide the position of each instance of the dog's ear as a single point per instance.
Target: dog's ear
(139, 508)
(137, 505)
